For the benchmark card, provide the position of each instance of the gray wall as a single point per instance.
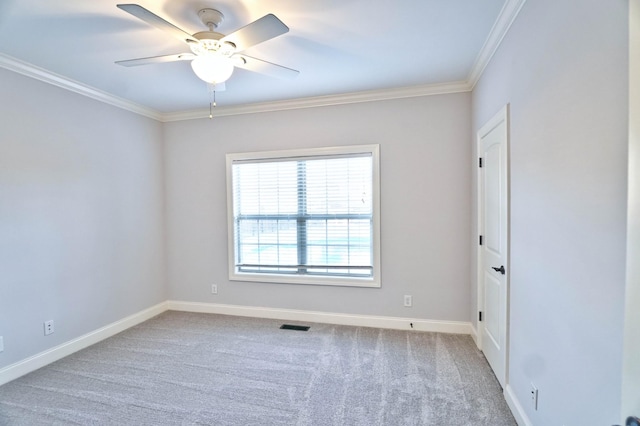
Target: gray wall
(563, 69)
(81, 215)
(425, 202)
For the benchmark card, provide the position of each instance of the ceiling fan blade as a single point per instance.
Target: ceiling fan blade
(153, 19)
(264, 67)
(157, 59)
(265, 28)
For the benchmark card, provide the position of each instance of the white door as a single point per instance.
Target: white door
(493, 253)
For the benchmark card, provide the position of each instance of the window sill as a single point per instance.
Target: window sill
(305, 280)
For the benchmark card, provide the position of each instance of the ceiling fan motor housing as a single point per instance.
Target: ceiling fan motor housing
(209, 44)
(210, 40)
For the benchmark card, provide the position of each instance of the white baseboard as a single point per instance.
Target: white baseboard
(516, 408)
(457, 327)
(474, 335)
(27, 365)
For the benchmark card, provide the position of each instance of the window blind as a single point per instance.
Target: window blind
(309, 215)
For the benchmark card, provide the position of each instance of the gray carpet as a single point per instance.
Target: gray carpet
(200, 369)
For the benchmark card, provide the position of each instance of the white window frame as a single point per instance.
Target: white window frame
(372, 281)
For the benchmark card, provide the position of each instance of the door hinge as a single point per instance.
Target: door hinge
(480, 162)
(480, 316)
(480, 240)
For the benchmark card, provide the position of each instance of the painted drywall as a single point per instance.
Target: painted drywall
(81, 215)
(631, 366)
(563, 70)
(425, 204)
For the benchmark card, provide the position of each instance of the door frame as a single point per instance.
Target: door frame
(631, 364)
(502, 115)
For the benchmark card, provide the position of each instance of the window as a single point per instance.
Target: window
(306, 216)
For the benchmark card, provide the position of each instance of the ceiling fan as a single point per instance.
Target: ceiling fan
(213, 55)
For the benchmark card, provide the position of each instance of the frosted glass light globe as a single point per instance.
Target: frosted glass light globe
(212, 69)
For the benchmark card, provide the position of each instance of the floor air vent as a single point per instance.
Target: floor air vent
(294, 327)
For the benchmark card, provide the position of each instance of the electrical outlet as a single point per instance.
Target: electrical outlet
(48, 327)
(214, 289)
(408, 301)
(1, 344)
(534, 396)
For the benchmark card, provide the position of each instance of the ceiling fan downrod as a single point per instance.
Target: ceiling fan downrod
(211, 18)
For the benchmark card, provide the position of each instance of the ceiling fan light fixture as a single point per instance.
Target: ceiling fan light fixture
(212, 69)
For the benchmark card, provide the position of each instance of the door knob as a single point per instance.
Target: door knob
(500, 269)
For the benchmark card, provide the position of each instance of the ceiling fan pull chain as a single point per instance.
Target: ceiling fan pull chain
(212, 99)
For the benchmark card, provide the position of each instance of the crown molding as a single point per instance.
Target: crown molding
(507, 16)
(500, 28)
(29, 70)
(321, 101)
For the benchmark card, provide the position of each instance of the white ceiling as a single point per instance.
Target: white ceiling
(339, 46)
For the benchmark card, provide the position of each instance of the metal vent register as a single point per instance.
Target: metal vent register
(294, 327)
